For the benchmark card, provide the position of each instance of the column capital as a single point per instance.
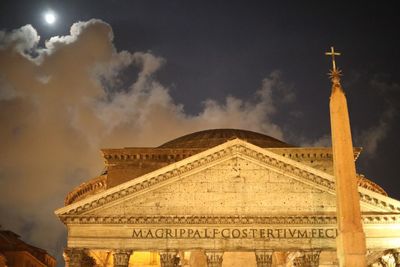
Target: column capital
(73, 257)
(77, 257)
(214, 258)
(168, 258)
(264, 258)
(383, 262)
(396, 256)
(121, 257)
(299, 261)
(311, 257)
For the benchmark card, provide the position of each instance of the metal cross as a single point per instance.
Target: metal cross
(333, 54)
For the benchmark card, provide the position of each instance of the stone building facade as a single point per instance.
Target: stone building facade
(16, 253)
(221, 197)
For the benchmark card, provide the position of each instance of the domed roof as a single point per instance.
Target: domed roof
(214, 137)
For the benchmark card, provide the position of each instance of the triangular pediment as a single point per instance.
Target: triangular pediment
(235, 186)
(235, 178)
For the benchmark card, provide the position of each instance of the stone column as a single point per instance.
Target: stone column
(121, 258)
(168, 258)
(396, 255)
(73, 257)
(214, 258)
(311, 258)
(264, 258)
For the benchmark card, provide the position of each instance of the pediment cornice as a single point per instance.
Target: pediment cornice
(227, 220)
(210, 157)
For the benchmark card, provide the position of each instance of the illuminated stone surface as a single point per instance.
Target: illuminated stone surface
(236, 198)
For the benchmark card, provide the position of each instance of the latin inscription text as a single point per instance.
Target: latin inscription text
(234, 233)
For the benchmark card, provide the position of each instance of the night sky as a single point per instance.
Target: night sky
(174, 67)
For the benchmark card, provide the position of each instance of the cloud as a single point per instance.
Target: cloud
(322, 141)
(371, 138)
(7, 92)
(22, 40)
(60, 104)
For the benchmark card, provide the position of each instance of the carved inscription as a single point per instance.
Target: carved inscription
(233, 233)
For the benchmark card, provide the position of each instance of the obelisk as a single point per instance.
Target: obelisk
(351, 247)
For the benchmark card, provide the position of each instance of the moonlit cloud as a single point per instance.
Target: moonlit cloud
(59, 107)
(21, 40)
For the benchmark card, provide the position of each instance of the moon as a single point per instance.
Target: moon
(50, 17)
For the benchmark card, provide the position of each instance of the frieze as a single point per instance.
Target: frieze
(232, 233)
(269, 160)
(225, 220)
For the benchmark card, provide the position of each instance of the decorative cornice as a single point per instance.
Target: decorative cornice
(129, 155)
(373, 199)
(368, 184)
(226, 220)
(381, 219)
(93, 186)
(206, 158)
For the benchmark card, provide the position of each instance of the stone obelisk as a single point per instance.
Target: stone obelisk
(351, 247)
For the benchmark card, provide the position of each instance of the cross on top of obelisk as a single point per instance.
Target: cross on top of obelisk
(334, 73)
(332, 53)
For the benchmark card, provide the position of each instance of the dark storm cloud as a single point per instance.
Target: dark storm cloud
(56, 114)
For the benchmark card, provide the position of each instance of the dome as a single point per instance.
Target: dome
(214, 137)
